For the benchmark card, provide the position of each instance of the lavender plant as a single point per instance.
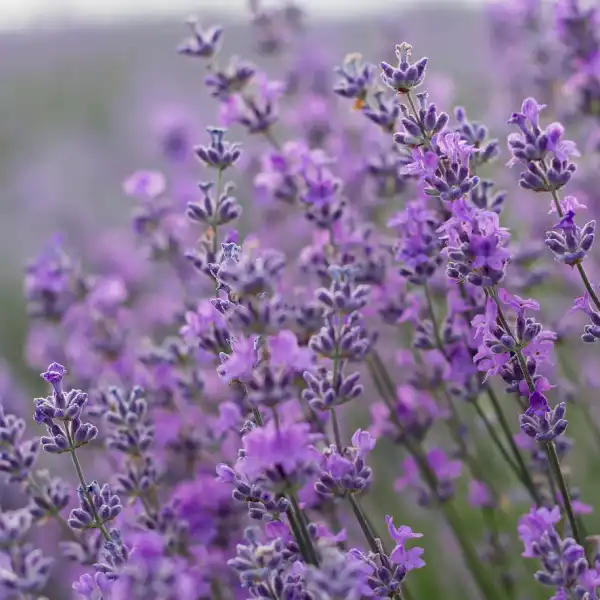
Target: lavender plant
(227, 383)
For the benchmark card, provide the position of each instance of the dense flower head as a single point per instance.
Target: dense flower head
(545, 153)
(568, 242)
(284, 452)
(476, 246)
(256, 110)
(452, 178)
(406, 76)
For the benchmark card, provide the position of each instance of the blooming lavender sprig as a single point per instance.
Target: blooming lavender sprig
(476, 135)
(17, 456)
(406, 76)
(355, 79)
(201, 44)
(344, 470)
(422, 125)
(568, 242)
(65, 408)
(53, 283)
(545, 154)
(129, 432)
(98, 505)
(219, 154)
(220, 209)
(232, 79)
(564, 565)
(215, 212)
(29, 572)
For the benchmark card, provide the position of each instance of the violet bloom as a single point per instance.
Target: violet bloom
(201, 44)
(591, 332)
(452, 179)
(257, 109)
(408, 558)
(145, 185)
(232, 79)
(567, 204)
(406, 76)
(276, 452)
(285, 352)
(93, 587)
(476, 248)
(479, 495)
(322, 196)
(534, 524)
(356, 78)
(544, 153)
(240, 363)
(570, 243)
(52, 284)
(344, 471)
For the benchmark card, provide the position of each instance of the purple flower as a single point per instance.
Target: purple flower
(562, 149)
(287, 448)
(240, 363)
(517, 302)
(567, 204)
(145, 185)
(285, 352)
(402, 533)
(488, 252)
(534, 525)
(479, 495)
(54, 375)
(363, 441)
(201, 44)
(94, 587)
(531, 109)
(405, 76)
(408, 558)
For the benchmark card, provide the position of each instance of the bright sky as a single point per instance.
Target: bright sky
(15, 14)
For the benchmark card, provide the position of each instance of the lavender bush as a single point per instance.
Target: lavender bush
(239, 400)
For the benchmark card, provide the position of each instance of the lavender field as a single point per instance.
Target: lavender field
(315, 316)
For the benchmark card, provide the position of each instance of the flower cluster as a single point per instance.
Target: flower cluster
(230, 353)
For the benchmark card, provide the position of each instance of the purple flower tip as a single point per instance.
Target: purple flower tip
(54, 373)
(538, 404)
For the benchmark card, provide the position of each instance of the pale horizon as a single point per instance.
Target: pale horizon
(20, 14)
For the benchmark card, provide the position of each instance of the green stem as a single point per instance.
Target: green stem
(555, 470)
(363, 523)
(494, 435)
(418, 119)
(53, 513)
(555, 466)
(384, 382)
(472, 559)
(257, 416)
(215, 240)
(337, 436)
(311, 557)
(522, 469)
(98, 524)
(580, 268)
(434, 323)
